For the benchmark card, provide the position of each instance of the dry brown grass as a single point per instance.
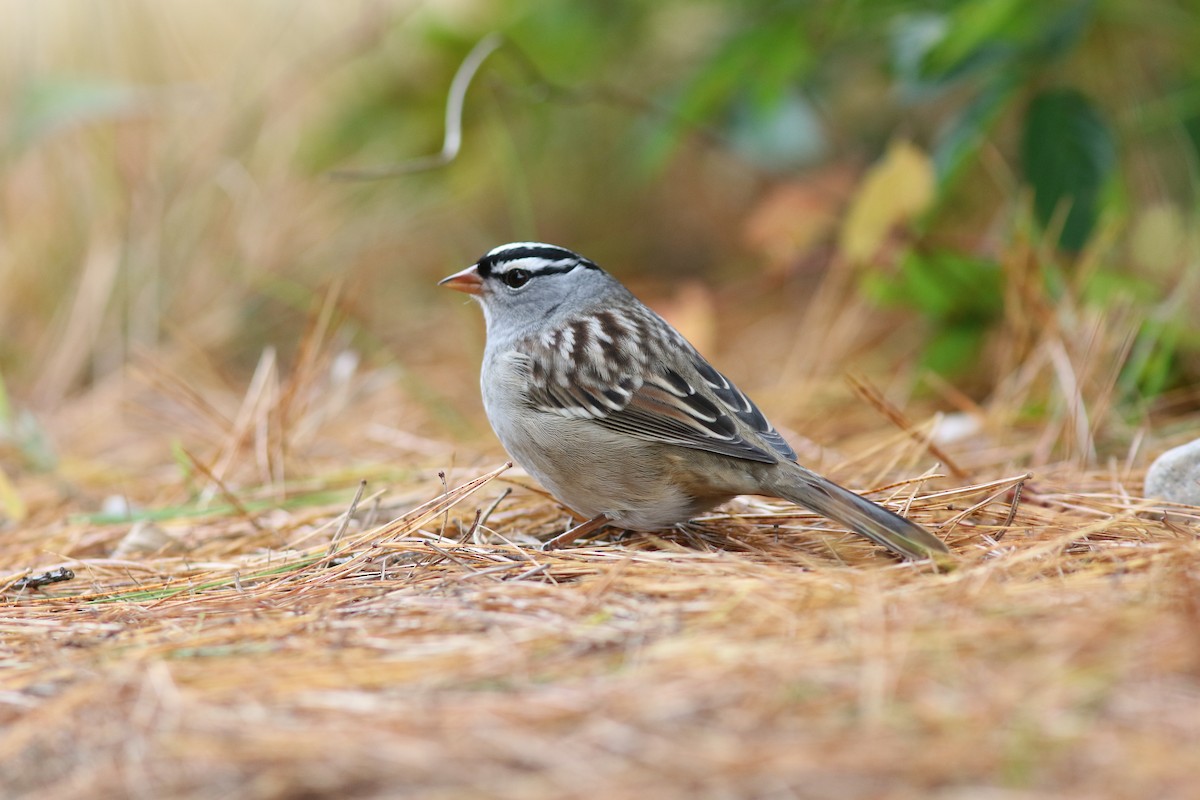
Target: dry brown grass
(232, 630)
(273, 647)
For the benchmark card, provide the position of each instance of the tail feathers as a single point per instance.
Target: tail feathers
(865, 518)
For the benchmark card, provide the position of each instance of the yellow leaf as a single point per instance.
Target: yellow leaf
(1158, 243)
(11, 504)
(896, 189)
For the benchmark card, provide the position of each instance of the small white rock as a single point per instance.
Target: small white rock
(955, 426)
(1175, 475)
(116, 505)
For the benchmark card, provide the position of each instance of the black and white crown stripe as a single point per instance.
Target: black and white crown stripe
(534, 257)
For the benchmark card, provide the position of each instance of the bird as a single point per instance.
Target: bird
(615, 413)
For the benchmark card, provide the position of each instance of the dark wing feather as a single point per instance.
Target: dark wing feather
(572, 371)
(737, 401)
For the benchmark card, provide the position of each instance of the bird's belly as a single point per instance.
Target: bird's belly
(594, 471)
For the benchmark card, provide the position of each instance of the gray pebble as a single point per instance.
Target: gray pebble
(1175, 475)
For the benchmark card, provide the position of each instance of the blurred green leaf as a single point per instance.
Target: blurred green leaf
(1150, 369)
(1060, 29)
(975, 25)
(911, 38)
(952, 350)
(1068, 154)
(48, 105)
(997, 36)
(943, 286)
(1107, 288)
(960, 296)
(960, 142)
(763, 61)
(573, 41)
(751, 79)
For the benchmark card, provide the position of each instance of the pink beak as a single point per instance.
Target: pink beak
(466, 281)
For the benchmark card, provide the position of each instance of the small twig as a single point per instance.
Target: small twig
(952, 523)
(474, 526)
(481, 518)
(1012, 509)
(884, 406)
(507, 491)
(349, 515)
(446, 515)
(529, 573)
(229, 496)
(464, 564)
(452, 141)
(485, 571)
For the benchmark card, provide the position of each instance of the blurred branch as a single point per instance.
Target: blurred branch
(456, 98)
(610, 96)
(454, 109)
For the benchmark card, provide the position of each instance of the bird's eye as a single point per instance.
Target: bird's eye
(516, 278)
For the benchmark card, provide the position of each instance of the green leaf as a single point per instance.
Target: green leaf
(755, 72)
(960, 298)
(1057, 35)
(963, 138)
(994, 39)
(911, 38)
(945, 287)
(1151, 366)
(1163, 357)
(762, 61)
(1110, 287)
(1068, 154)
(953, 350)
(974, 26)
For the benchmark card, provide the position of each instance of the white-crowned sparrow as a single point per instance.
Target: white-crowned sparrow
(614, 412)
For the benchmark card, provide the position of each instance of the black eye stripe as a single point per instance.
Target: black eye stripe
(535, 272)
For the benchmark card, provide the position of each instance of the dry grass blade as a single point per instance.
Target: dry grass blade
(863, 388)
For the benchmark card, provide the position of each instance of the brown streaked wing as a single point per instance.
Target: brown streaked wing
(641, 396)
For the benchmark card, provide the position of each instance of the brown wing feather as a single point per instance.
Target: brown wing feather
(573, 371)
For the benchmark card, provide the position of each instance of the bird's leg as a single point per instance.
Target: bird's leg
(571, 534)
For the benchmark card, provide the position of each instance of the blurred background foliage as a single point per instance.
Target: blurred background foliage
(935, 189)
